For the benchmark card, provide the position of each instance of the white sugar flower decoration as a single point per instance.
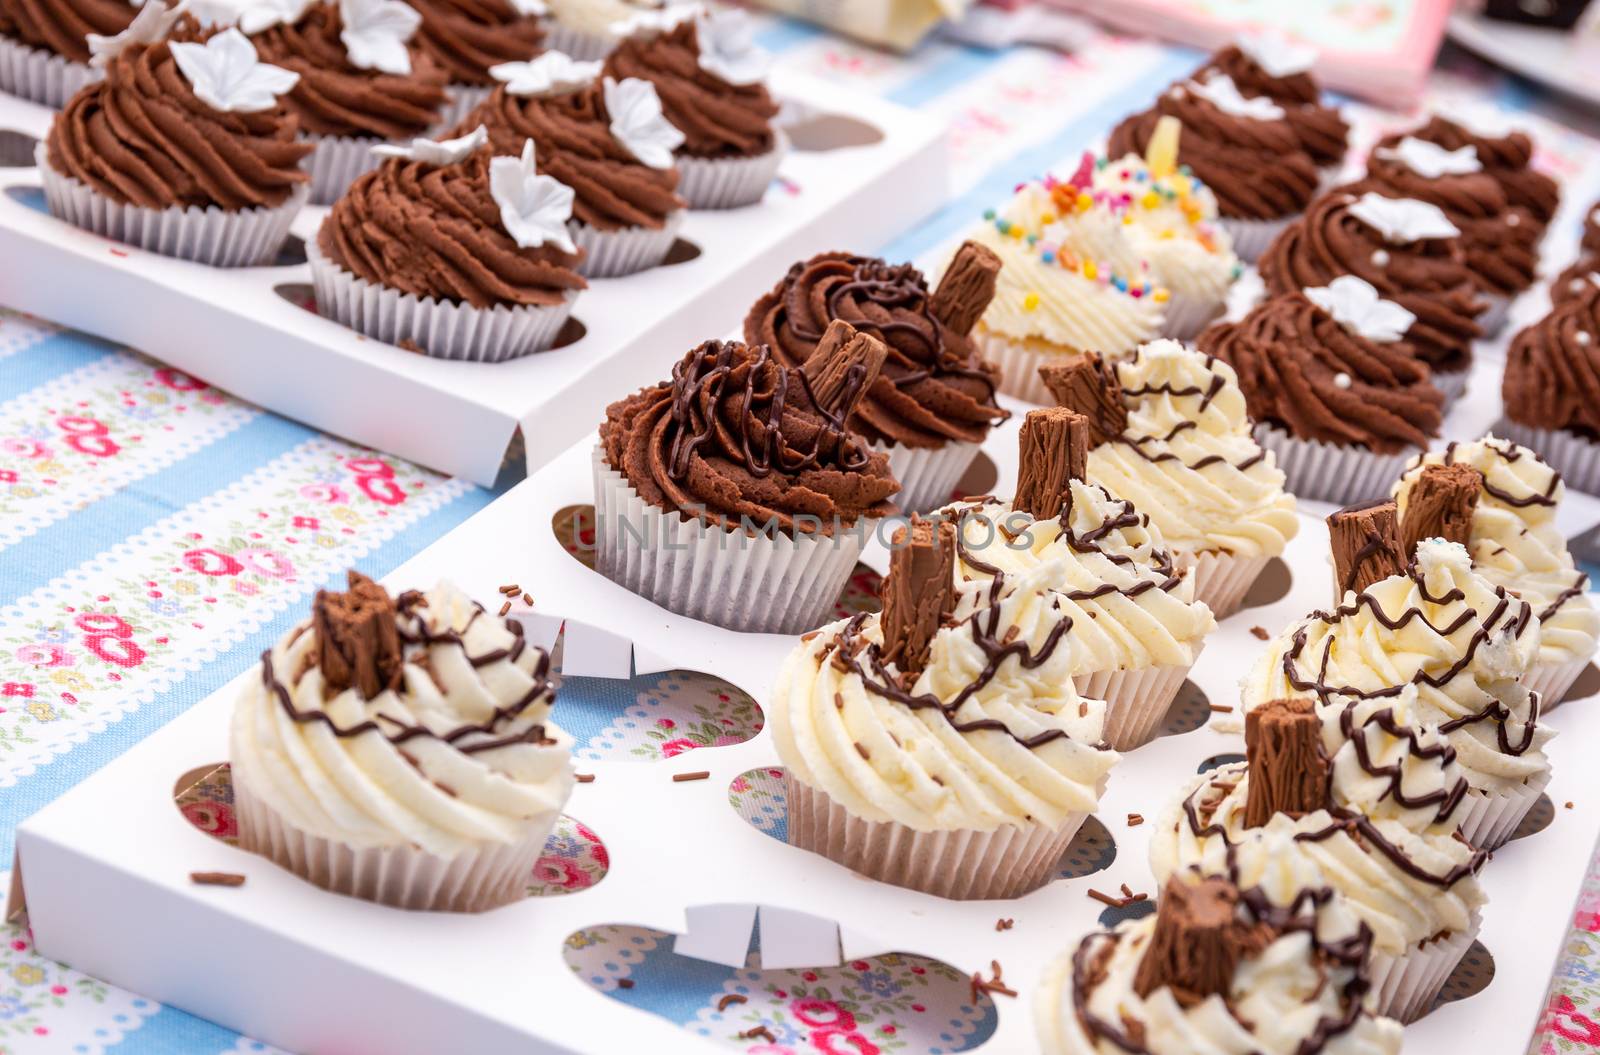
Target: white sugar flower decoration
(211, 13)
(1430, 160)
(728, 47)
(553, 73)
(228, 75)
(436, 151)
(1356, 306)
(256, 15)
(1402, 220)
(1478, 117)
(1220, 91)
(375, 34)
(638, 123)
(148, 26)
(530, 8)
(654, 23)
(534, 209)
(1276, 53)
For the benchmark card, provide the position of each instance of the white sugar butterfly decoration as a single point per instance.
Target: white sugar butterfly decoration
(1403, 220)
(257, 15)
(552, 73)
(638, 123)
(1277, 53)
(436, 151)
(728, 47)
(654, 23)
(375, 34)
(1478, 117)
(151, 24)
(534, 209)
(1431, 160)
(1355, 305)
(1220, 91)
(228, 75)
(530, 8)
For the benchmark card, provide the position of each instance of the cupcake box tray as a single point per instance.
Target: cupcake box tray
(862, 171)
(105, 867)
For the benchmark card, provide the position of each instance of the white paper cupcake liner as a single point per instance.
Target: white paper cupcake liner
(1136, 700)
(1487, 819)
(402, 876)
(772, 584)
(41, 76)
(962, 865)
(1221, 580)
(1019, 366)
(1453, 383)
(462, 99)
(1552, 680)
(728, 183)
(1405, 987)
(1251, 237)
(1189, 313)
(584, 47)
(927, 475)
(442, 329)
(335, 163)
(1327, 472)
(1576, 458)
(210, 235)
(612, 254)
(1493, 319)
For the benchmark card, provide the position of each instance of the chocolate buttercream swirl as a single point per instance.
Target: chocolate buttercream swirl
(435, 231)
(1591, 231)
(337, 98)
(718, 119)
(1428, 277)
(934, 387)
(572, 138)
(1501, 243)
(1257, 169)
(63, 26)
(737, 434)
(466, 37)
(1552, 378)
(1291, 355)
(1584, 274)
(1507, 158)
(142, 137)
(1323, 131)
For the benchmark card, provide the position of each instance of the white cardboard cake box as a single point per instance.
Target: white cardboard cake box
(105, 867)
(885, 171)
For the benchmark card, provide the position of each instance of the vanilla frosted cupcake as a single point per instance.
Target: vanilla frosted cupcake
(400, 750)
(1057, 297)
(1507, 521)
(1170, 219)
(940, 744)
(1171, 435)
(1136, 628)
(1274, 969)
(1461, 641)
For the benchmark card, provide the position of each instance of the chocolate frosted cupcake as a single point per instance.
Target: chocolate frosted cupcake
(1273, 67)
(466, 37)
(1500, 500)
(446, 250)
(1408, 251)
(934, 400)
(939, 744)
(1170, 434)
(1244, 149)
(733, 493)
(400, 750)
(1500, 243)
(1434, 625)
(44, 47)
(363, 80)
(1551, 388)
(1269, 968)
(1337, 393)
(1284, 813)
(184, 149)
(605, 139)
(709, 73)
(1585, 271)
(1504, 151)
